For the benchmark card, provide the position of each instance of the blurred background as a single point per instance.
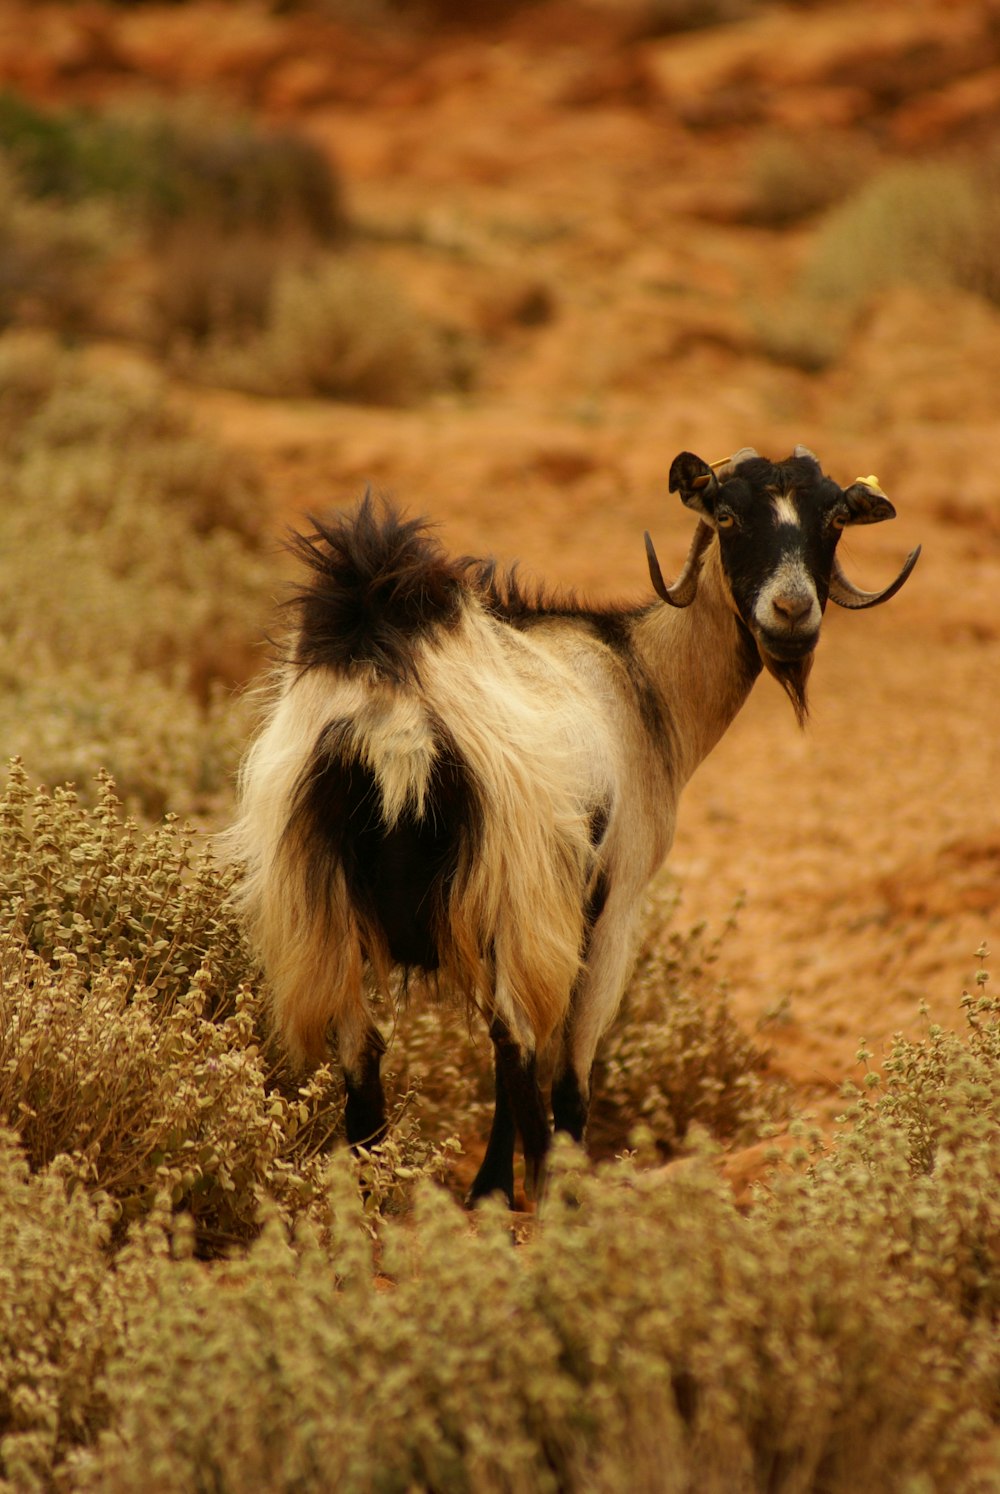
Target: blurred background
(504, 261)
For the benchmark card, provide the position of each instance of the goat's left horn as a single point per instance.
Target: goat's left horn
(846, 594)
(683, 591)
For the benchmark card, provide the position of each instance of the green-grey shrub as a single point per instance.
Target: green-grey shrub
(794, 176)
(167, 161)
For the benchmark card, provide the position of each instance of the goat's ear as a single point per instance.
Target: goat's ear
(696, 483)
(866, 502)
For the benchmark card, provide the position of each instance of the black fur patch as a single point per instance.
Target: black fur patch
(599, 824)
(379, 583)
(398, 877)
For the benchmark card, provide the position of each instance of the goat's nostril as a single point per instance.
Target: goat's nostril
(792, 608)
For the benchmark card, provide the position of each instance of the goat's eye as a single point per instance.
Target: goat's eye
(725, 519)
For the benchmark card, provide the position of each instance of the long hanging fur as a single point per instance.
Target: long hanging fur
(358, 798)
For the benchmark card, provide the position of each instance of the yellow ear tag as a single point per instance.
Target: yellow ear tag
(870, 482)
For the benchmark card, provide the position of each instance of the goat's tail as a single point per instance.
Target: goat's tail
(409, 801)
(378, 585)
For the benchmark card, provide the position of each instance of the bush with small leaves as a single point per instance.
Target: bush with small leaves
(837, 1334)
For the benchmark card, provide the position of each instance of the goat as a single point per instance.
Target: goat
(457, 776)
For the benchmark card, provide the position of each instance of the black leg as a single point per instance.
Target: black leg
(496, 1174)
(519, 1108)
(570, 1105)
(364, 1113)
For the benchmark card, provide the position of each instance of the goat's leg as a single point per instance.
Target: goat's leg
(519, 1111)
(570, 1101)
(496, 1174)
(607, 961)
(364, 1114)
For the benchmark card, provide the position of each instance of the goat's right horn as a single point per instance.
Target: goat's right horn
(846, 594)
(683, 591)
(726, 466)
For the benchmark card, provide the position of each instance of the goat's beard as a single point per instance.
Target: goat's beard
(792, 675)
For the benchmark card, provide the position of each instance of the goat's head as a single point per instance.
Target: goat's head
(778, 524)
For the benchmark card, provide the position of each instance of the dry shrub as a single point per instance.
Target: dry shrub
(220, 203)
(928, 223)
(51, 259)
(801, 331)
(166, 749)
(130, 1031)
(207, 287)
(839, 1335)
(339, 330)
(57, 1327)
(791, 177)
(128, 612)
(665, 17)
(675, 1056)
(924, 223)
(133, 1033)
(648, 1337)
(440, 1066)
(193, 163)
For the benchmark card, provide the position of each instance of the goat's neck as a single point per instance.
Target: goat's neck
(702, 662)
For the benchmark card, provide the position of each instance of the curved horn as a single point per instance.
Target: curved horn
(846, 594)
(682, 592)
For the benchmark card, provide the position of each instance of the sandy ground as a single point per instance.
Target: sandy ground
(560, 160)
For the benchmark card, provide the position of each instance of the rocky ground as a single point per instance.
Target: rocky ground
(575, 193)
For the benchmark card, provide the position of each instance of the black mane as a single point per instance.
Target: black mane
(510, 600)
